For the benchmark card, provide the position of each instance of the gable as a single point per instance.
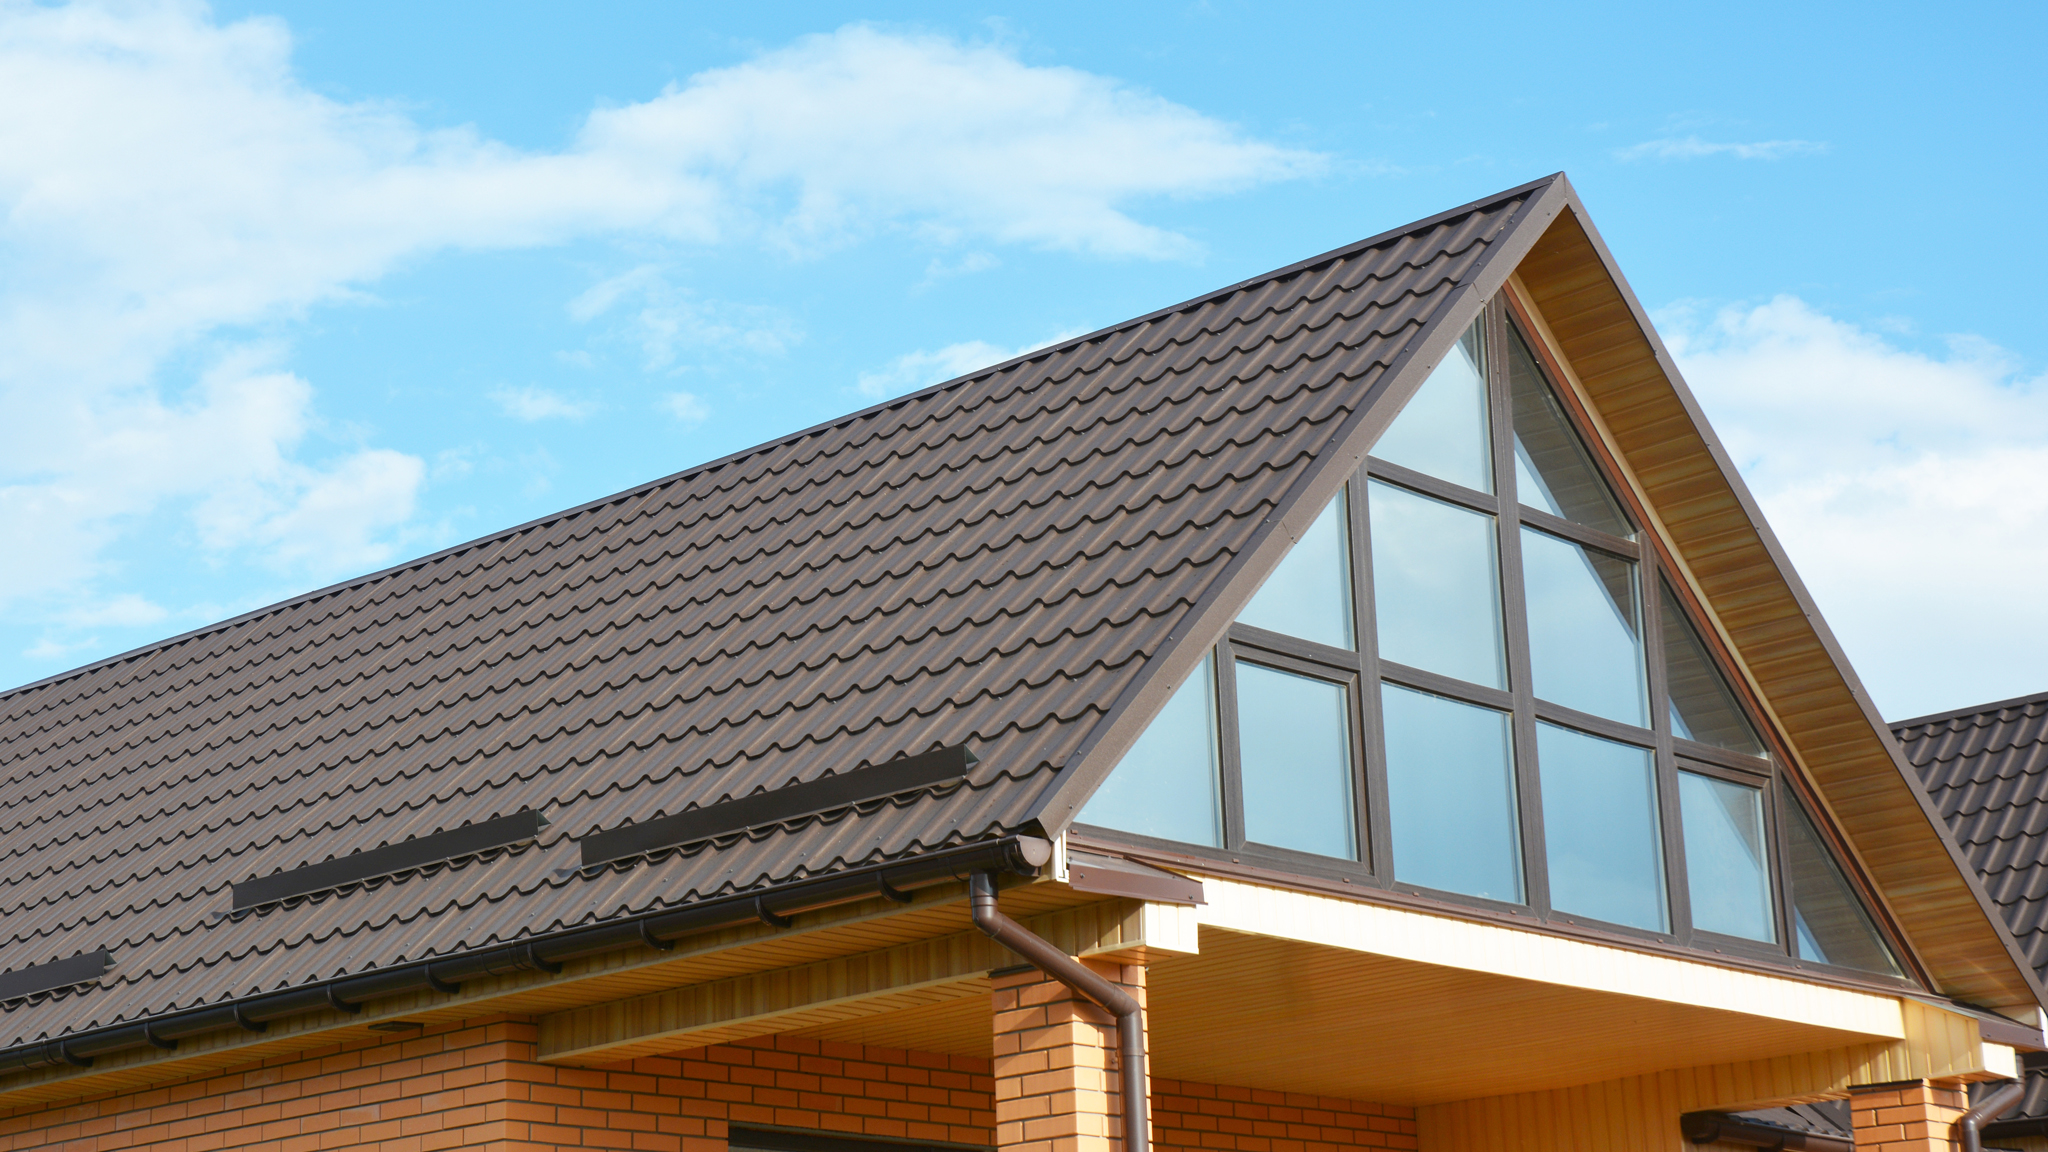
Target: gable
(991, 563)
(1720, 548)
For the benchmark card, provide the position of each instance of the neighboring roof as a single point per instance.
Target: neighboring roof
(991, 562)
(1986, 769)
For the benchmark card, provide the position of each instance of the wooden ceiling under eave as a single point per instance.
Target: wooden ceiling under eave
(1776, 631)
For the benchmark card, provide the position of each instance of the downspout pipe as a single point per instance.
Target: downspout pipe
(2002, 1100)
(1048, 958)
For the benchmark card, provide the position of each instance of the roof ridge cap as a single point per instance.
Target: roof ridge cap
(1973, 710)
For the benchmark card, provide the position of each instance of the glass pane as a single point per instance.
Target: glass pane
(1294, 743)
(1451, 795)
(1585, 647)
(1829, 921)
(1600, 828)
(1167, 785)
(1436, 586)
(1702, 707)
(1727, 870)
(1552, 470)
(1443, 430)
(1309, 594)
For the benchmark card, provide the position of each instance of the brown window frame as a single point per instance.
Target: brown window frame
(1362, 672)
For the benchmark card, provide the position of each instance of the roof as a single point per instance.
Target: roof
(993, 561)
(1986, 769)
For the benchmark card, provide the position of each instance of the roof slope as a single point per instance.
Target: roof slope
(989, 561)
(1986, 769)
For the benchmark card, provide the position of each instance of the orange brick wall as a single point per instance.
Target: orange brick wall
(477, 1085)
(1911, 1116)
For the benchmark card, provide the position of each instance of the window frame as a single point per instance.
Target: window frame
(1361, 672)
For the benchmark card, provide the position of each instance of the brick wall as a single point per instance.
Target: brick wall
(477, 1085)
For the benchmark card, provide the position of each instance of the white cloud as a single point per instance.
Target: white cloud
(532, 403)
(1693, 148)
(1910, 489)
(921, 369)
(164, 178)
(126, 609)
(664, 319)
(686, 408)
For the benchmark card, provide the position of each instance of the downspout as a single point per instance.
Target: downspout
(1997, 1104)
(1130, 1015)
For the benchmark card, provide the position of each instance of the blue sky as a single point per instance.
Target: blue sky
(290, 292)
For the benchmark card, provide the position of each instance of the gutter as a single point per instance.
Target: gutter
(1712, 1127)
(1021, 854)
(1050, 959)
(1998, 1103)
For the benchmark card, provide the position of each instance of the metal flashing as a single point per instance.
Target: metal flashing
(54, 974)
(875, 782)
(1115, 876)
(417, 852)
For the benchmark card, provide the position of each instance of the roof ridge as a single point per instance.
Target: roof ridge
(788, 440)
(1959, 713)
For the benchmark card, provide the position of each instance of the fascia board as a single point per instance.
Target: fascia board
(1782, 566)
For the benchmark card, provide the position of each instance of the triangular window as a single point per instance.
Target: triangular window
(1702, 706)
(1442, 432)
(1829, 924)
(1168, 785)
(1309, 594)
(1553, 473)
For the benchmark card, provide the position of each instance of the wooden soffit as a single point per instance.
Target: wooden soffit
(1770, 619)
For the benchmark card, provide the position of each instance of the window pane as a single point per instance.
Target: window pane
(1436, 587)
(1585, 650)
(1702, 707)
(1294, 745)
(1726, 867)
(1552, 470)
(1600, 828)
(1451, 795)
(1829, 921)
(1167, 785)
(1443, 430)
(1309, 594)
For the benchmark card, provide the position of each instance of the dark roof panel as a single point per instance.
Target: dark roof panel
(987, 562)
(1987, 773)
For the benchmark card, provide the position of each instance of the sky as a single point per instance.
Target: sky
(291, 292)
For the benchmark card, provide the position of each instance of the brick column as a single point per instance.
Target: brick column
(1905, 1116)
(1056, 1075)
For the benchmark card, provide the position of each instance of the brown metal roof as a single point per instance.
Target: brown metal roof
(1986, 769)
(991, 562)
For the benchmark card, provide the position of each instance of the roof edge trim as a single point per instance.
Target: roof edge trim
(1831, 647)
(1341, 455)
(1979, 710)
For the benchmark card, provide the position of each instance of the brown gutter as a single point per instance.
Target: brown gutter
(1712, 1127)
(1997, 1104)
(892, 880)
(1048, 958)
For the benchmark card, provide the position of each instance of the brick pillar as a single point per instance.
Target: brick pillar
(1056, 1074)
(1906, 1116)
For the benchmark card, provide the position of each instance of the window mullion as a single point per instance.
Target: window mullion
(1515, 614)
(1376, 824)
(1227, 747)
(1677, 884)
